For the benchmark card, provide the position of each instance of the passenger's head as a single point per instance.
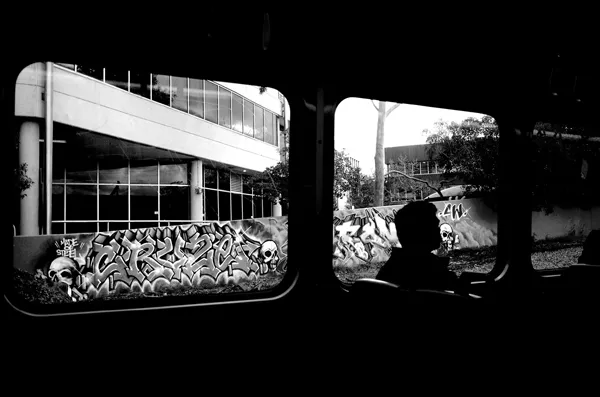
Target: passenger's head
(417, 226)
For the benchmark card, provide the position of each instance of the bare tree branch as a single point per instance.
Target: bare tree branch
(438, 191)
(376, 108)
(387, 113)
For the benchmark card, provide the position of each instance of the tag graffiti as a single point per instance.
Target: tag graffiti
(145, 261)
(454, 211)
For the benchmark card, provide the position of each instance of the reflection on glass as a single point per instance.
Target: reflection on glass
(212, 101)
(197, 97)
(116, 77)
(224, 180)
(269, 133)
(236, 206)
(174, 174)
(258, 123)
(139, 83)
(179, 98)
(81, 202)
(247, 207)
(113, 171)
(174, 202)
(144, 172)
(160, 89)
(58, 202)
(84, 174)
(224, 206)
(248, 118)
(224, 108)
(211, 205)
(144, 202)
(210, 177)
(237, 113)
(246, 188)
(113, 202)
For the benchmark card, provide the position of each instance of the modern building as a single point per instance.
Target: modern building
(132, 149)
(411, 160)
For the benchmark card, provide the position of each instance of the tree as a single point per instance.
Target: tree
(382, 114)
(467, 151)
(272, 183)
(565, 162)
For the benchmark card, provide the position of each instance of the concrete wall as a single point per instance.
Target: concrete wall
(98, 264)
(366, 236)
(87, 103)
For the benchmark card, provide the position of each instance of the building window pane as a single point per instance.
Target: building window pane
(143, 225)
(179, 98)
(174, 174)
(139, 83)
(67, 65)
(144, 203)
(160, 89)
(58, 203)
(212, 101)
(246, 184)
(224, 107)
(59, 159)
(258, 123)
(236, 206)
(269, 133)
(174, 202)
(116, 77)
(237, 111)
(81, 203)
(211, 205)
(144, 172)
(83, 227)
(114, 171)
(112, 226)
(248, 118)
(257, 206)
(224, 180)
(196, 97)
(94, 71)
(210, 177)
(247, 211)
(58, 228)
(267, 208)
(114, 202)
(83, 173)
(224, 206)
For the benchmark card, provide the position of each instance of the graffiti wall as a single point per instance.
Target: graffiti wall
(367, 235)
(144, 260)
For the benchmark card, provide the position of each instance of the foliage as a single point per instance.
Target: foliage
(469, 151)
(22, 180)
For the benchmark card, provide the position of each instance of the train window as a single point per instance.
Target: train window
(566, 208)
(147, 195)
(445, 157)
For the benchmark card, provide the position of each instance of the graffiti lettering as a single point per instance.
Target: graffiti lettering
(191, 255)
(454, 211)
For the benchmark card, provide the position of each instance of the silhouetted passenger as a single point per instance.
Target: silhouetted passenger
(414, 266)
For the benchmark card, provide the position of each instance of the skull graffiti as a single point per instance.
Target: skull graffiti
(63, 270)
(448, 237)
(267, 255)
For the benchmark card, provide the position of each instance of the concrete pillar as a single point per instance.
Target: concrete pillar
(29, 153)
(196, 192)
(277, 208)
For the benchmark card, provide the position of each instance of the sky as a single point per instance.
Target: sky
(356, 127)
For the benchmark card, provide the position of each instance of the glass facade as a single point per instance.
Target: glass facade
(202, 98)
(92, 194)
